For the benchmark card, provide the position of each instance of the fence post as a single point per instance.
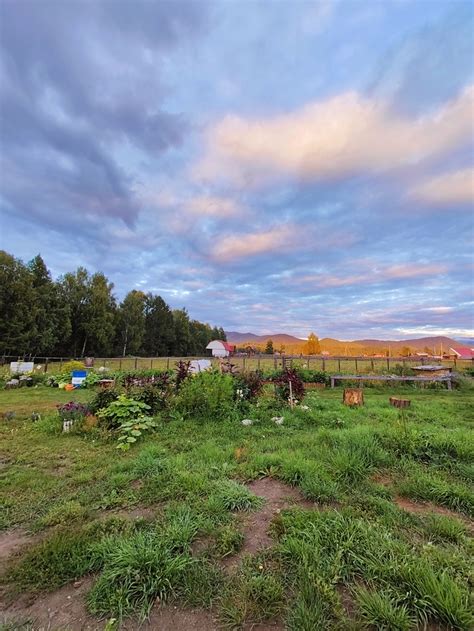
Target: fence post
(120, 364)
(339, 364)
(372, 365)
(243, 362)
(388, 363)
(258, 361)
(167, 363)
(136, 361)
(324, 365)
(275, 365)
(151, 364)
(46, 364)
(356, 365)
(61, 364)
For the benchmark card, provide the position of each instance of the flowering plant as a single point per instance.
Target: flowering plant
(289, 387)
(72, 411)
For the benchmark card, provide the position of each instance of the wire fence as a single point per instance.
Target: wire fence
(329, 364)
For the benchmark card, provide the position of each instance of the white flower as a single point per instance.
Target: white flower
(247, 421)
(278, 420)
(304, 407)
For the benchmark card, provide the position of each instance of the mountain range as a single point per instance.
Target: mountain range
(292, 343)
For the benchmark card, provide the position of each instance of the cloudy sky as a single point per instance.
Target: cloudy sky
(271, 165)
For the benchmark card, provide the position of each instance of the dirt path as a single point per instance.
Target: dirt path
(255, 525)
(62, 609)
(11, 541)
(425, 508)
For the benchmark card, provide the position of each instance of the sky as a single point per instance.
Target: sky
(272, 166)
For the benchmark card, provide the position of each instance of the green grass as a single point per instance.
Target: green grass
(398, 570)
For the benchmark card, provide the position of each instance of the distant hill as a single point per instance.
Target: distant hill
(343, 347)
(278, 338)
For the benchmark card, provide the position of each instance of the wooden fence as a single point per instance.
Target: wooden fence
(331, 364)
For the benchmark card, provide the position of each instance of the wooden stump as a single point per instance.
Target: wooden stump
(353, 396)
(399, 403)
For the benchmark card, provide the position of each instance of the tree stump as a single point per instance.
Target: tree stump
(353, 396)
(399, 403)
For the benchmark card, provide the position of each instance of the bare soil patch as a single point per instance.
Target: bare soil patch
(138, 512)
(255, 525)
(383, 479)
(62, 609)
(170, 618)
(425, 508)
(11, 541)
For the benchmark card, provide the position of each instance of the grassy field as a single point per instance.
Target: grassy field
(337, 519)
(265, 362)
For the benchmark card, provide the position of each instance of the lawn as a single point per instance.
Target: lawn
(338, 518)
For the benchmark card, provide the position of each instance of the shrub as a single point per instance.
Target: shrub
(144, 378)
(315, 376)
(153, 394)
(206, 396)
(68, 367)
(182, 372)
(103, 398)
(282, 386)
(248, 385)
(122, 411)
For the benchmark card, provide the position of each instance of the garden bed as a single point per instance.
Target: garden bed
(242, 518)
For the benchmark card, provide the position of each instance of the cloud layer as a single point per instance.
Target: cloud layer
(340, 136)
(308, 170)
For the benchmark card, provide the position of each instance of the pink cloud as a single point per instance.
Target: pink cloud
(238, 246)
(456, 187)
(344, 134)
(377, 275)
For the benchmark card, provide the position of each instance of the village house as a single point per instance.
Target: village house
(462, 352)
(220, 348)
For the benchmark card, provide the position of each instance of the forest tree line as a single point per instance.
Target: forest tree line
(78, 315)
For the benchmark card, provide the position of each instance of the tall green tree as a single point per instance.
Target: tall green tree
(99, 317)
(52, 322)
(74, 290)
(91, 308)
(182, 333)
(159, 327)
(201, 335)
(131, 323)
(17, 306)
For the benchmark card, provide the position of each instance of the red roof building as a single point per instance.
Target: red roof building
(463, 352)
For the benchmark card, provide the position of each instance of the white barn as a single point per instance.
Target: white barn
(220, 348)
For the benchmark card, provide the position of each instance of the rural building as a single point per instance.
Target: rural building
(462, 352)
(220, 348)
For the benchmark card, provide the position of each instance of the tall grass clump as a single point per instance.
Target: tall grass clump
(233, 496)
(136, 571)
(381, 611)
